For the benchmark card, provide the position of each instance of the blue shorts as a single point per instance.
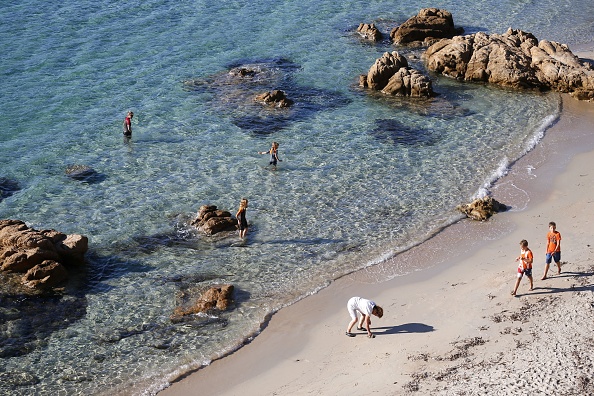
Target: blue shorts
(553, 256)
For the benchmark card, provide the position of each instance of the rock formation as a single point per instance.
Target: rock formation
(276, 98)
(41, 255)
(428, 25)
(210, 220)
(391, 75)
(369, 32)
(514, 59)
(216, 297)
(482, 208)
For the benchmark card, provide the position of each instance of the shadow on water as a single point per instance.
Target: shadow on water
(395, 132)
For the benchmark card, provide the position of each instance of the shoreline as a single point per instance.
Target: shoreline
(454, 320)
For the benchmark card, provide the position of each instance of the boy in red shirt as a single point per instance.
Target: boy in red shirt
(553, 249)
(525, 267)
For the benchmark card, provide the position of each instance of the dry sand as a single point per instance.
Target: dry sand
(452, 329)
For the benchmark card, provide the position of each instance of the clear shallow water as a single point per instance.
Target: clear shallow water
(362, 177)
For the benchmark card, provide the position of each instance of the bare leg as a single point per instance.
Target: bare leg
(516, 286)
(531, 283)
(351, 324)
(559, 267)
(545, 272)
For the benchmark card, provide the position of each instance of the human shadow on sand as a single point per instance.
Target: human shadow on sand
(540, 290)
(403, 328)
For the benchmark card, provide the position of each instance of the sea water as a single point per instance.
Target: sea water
(363, 176)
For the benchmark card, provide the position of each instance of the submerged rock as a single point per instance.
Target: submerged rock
(482, 208)
(83, 173)
(276, 98)
(8, 187)
(216, 297)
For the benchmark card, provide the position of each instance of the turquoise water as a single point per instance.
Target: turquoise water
(363, 177)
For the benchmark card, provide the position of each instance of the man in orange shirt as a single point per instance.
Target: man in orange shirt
(553, 249)
(525, 267)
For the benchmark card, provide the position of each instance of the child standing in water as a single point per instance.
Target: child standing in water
(241, 220)
(525, 267)
(273, 154)
(128, 124)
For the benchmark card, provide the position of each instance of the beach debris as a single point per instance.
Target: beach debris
(211, 220)
(217, 297)
(369, 32)
(429, 25)
(482, 208)
(40, 255)
(275, 98)
(391, 75)
(514, 59)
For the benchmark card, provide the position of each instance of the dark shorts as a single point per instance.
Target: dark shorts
(553, 256)
(272, 163)
(527, 272)
(243, 225)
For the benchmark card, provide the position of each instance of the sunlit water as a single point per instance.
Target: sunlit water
(363, 177)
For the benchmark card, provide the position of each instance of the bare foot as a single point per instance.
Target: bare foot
(513, 293)
(530, 289)
(543, 278)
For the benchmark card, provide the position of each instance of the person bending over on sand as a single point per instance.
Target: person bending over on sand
(525, 266)
(128, 124)
(241, 220)
(553, 249)
(366, 308)
(273, 154)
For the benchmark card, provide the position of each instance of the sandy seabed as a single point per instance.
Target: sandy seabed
(454, 328)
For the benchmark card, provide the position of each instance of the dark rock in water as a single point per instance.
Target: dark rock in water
(482, 208)
(46, 275)
(234, 91)
(395, 132)
(84, 173)
(8, 187)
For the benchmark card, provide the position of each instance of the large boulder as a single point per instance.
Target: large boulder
(211, 220)
(514, 59)
(391, 75)
(429, 24)
(482, 208)
(24, 249)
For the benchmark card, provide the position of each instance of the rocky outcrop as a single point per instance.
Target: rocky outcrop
(217, 297)
(428, 25)
(391, 75)
(514, 59)
(41, 255)
(210, 220)
(482, 208)
(369, 32)
(276, 98)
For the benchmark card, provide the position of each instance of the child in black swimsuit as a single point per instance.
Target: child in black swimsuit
(273, 154)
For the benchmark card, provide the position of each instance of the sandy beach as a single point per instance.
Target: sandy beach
(453, 328)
